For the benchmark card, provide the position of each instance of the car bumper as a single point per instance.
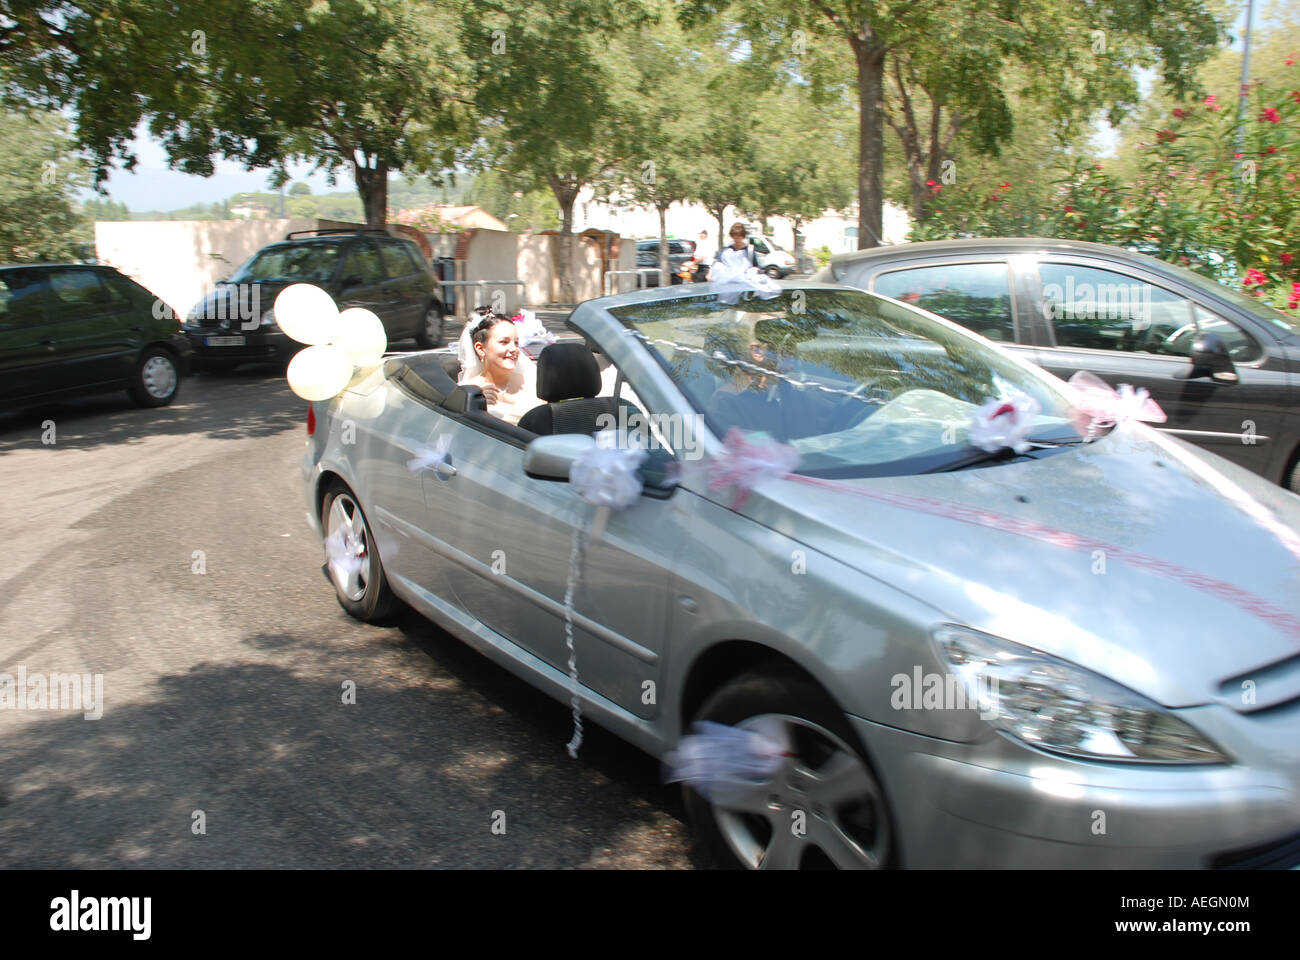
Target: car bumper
(1000, 804)
(238, 345)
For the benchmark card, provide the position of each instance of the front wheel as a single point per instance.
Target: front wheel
(773, 272)
(157, 378)
(1293, 481)
(352, 559)
(823, 809)
(431, 333)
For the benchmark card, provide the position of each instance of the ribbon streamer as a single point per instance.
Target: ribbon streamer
(1101, 405)
(605, 477)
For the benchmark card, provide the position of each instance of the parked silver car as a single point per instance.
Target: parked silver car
(1086, 655)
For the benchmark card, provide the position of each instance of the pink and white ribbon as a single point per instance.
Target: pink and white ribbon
(1100, 405)
(1000, 424)
(746, 460)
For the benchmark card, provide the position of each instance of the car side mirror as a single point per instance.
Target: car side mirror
(1210, 358)
(549, 458)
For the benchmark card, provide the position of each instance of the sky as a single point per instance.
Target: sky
(154, 187)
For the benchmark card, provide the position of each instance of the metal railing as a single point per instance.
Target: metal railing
(481, 284)
(640, 273)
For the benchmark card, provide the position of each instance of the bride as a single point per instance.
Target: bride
(493, 361)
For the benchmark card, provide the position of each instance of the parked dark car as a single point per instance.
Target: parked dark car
(1224, 366)
(387, 275)
(71, 329)
(647, 255)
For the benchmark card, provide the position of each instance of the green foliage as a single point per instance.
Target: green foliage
(39, 180)
(1200, 198)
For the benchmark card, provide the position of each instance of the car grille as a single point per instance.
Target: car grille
(1279, 855)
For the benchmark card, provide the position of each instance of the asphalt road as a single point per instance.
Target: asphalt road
(222, 690)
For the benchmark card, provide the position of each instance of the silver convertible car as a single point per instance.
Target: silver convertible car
(1085, 654)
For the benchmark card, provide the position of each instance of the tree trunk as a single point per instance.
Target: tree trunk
(717, 215)
(870, 56)
(566, 194)
(664, 278)
(372, 184)
(798, 244)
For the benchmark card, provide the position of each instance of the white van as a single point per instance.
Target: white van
(772, 260)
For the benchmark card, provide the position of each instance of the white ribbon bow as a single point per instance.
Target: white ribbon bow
(434, 457)
(717, 758)
(1004, 423)
(728, 282)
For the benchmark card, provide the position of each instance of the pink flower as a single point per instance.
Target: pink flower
(1271, 115)
(1295, 95)
(1179, 112)
(1286, 259)
(1254, 277)
(1270, 150)
(1212, 102)
(1164, 135)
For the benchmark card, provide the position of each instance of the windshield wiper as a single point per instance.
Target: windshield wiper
(977, 456)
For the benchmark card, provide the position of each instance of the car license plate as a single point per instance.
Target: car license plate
(224, 341)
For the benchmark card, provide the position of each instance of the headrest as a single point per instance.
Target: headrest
(567, 371)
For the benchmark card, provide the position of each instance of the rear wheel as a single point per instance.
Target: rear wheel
(823, 809)
(773, 271)
(157, 378)
(362, 589)
(1293, 479)
(431, 332)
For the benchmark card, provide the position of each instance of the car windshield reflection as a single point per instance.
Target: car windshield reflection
(860, 386)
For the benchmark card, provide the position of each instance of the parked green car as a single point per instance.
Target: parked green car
(74, 329)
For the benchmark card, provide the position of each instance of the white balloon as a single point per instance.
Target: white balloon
(306, 313)
(361, 335)
(319, 372)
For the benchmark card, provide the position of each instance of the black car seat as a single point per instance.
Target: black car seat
(568, 380)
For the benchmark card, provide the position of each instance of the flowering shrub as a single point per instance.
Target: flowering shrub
(1203, 199)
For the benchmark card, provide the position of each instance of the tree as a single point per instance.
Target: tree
(804, 157)
(366, 85)
(955, 50)
(300, 189)
(39, 181)
(555, 90)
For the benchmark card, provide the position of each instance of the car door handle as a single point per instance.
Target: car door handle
(445, 471)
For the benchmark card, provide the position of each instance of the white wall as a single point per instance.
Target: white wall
(180, 260)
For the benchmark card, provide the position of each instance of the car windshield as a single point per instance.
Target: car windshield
(860, 386)
(299, 262)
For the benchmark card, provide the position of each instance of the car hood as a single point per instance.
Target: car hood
(1137, 556)
(238, 301)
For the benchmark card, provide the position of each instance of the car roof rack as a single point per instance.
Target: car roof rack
(328, 230)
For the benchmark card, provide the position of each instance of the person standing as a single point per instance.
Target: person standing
(740, 254)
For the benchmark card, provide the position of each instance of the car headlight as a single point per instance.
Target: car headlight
(1055, 705)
